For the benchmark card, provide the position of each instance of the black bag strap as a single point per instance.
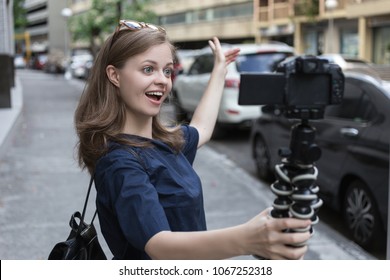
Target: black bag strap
(85, 205)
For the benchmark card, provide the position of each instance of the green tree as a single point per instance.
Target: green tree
(20, 19)
(308, 8)
(102, 18)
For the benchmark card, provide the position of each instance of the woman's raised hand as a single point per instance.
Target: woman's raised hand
(221, 58)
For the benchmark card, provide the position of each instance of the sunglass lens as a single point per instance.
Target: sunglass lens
(132, 24)
(151, 26)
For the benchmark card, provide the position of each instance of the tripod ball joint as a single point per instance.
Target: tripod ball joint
(302, 146)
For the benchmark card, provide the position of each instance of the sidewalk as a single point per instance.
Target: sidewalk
(231, 195)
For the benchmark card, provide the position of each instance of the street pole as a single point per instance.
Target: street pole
(330, 26)
(66, 13)
(330, 6)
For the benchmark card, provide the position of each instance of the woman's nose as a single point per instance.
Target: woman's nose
(161, 78)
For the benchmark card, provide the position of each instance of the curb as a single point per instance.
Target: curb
(8, 116)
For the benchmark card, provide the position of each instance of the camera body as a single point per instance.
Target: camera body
(301, 87)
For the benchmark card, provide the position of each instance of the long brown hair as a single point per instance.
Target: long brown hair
(100, 114)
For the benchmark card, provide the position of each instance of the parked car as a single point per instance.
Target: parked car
(359, 65)
(183, 61)
(189, 87)
(19, 61)
(56, 63)
(80, 65)
(354, 167)
(39, 61)
(344, 61)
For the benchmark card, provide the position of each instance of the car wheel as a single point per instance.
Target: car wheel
(361, 215)
(262, 159)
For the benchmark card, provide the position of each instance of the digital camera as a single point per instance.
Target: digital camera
(301, 87)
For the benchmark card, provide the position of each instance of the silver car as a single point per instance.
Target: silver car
(188, 88)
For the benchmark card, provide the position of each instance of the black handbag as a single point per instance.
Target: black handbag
(82, 242)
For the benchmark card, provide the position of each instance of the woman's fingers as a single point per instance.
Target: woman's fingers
(214, 44)
(229, 56)
(290, 223)
(285, 252)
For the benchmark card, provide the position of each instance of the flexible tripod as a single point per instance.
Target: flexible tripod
(295, 185)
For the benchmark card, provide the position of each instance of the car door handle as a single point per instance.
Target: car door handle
(350, 132)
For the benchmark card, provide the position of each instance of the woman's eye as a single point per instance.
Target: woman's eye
(148, 69)
(168, 72)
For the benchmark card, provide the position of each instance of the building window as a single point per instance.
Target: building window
(209, 14)
(244, 9)
(349, 42)
(381, 49)
(311, 42)
(173, 19)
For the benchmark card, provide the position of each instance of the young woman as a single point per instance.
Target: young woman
(149, 200)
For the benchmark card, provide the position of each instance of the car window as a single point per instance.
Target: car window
(260, 62)
(202, 65)
(356, 106)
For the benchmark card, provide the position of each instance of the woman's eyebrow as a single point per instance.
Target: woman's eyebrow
(155, 62)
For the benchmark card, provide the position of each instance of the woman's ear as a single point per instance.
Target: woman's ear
(113, 75)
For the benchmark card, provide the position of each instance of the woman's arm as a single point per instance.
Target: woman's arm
(206, 113)
(260, 236)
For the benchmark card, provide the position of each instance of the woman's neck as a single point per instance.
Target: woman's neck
(140, 127)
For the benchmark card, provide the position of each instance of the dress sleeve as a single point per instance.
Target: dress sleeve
(133, 198)
(191, 137)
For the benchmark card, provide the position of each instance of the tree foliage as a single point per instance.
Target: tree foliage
(19, 12)
(94, 25)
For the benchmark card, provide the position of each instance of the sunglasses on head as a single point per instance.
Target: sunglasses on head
(133, 26)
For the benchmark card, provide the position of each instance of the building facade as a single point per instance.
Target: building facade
(7, 51)
(358, 28)
(191, 23)
(46, 26)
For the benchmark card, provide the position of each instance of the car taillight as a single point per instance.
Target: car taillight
(232, 83)
(232, 112)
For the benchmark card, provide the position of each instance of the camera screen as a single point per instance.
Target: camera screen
(262, 89)
(308, 90)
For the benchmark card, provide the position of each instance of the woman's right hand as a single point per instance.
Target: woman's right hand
(264, 237)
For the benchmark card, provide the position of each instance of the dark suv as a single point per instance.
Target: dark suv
(354, 166)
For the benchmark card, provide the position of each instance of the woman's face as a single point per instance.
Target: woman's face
(145, 80)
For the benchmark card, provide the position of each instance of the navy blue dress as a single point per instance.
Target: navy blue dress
(142, 194)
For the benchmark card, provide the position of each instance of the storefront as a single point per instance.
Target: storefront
(381, 44)
(318, 38)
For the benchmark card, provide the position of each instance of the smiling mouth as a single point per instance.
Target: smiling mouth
(154, 95)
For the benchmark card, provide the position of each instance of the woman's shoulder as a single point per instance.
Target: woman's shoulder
(190, 134)
(188, 130)
(117, 154)
(191, 137)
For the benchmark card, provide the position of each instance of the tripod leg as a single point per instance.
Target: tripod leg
(283, 189)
